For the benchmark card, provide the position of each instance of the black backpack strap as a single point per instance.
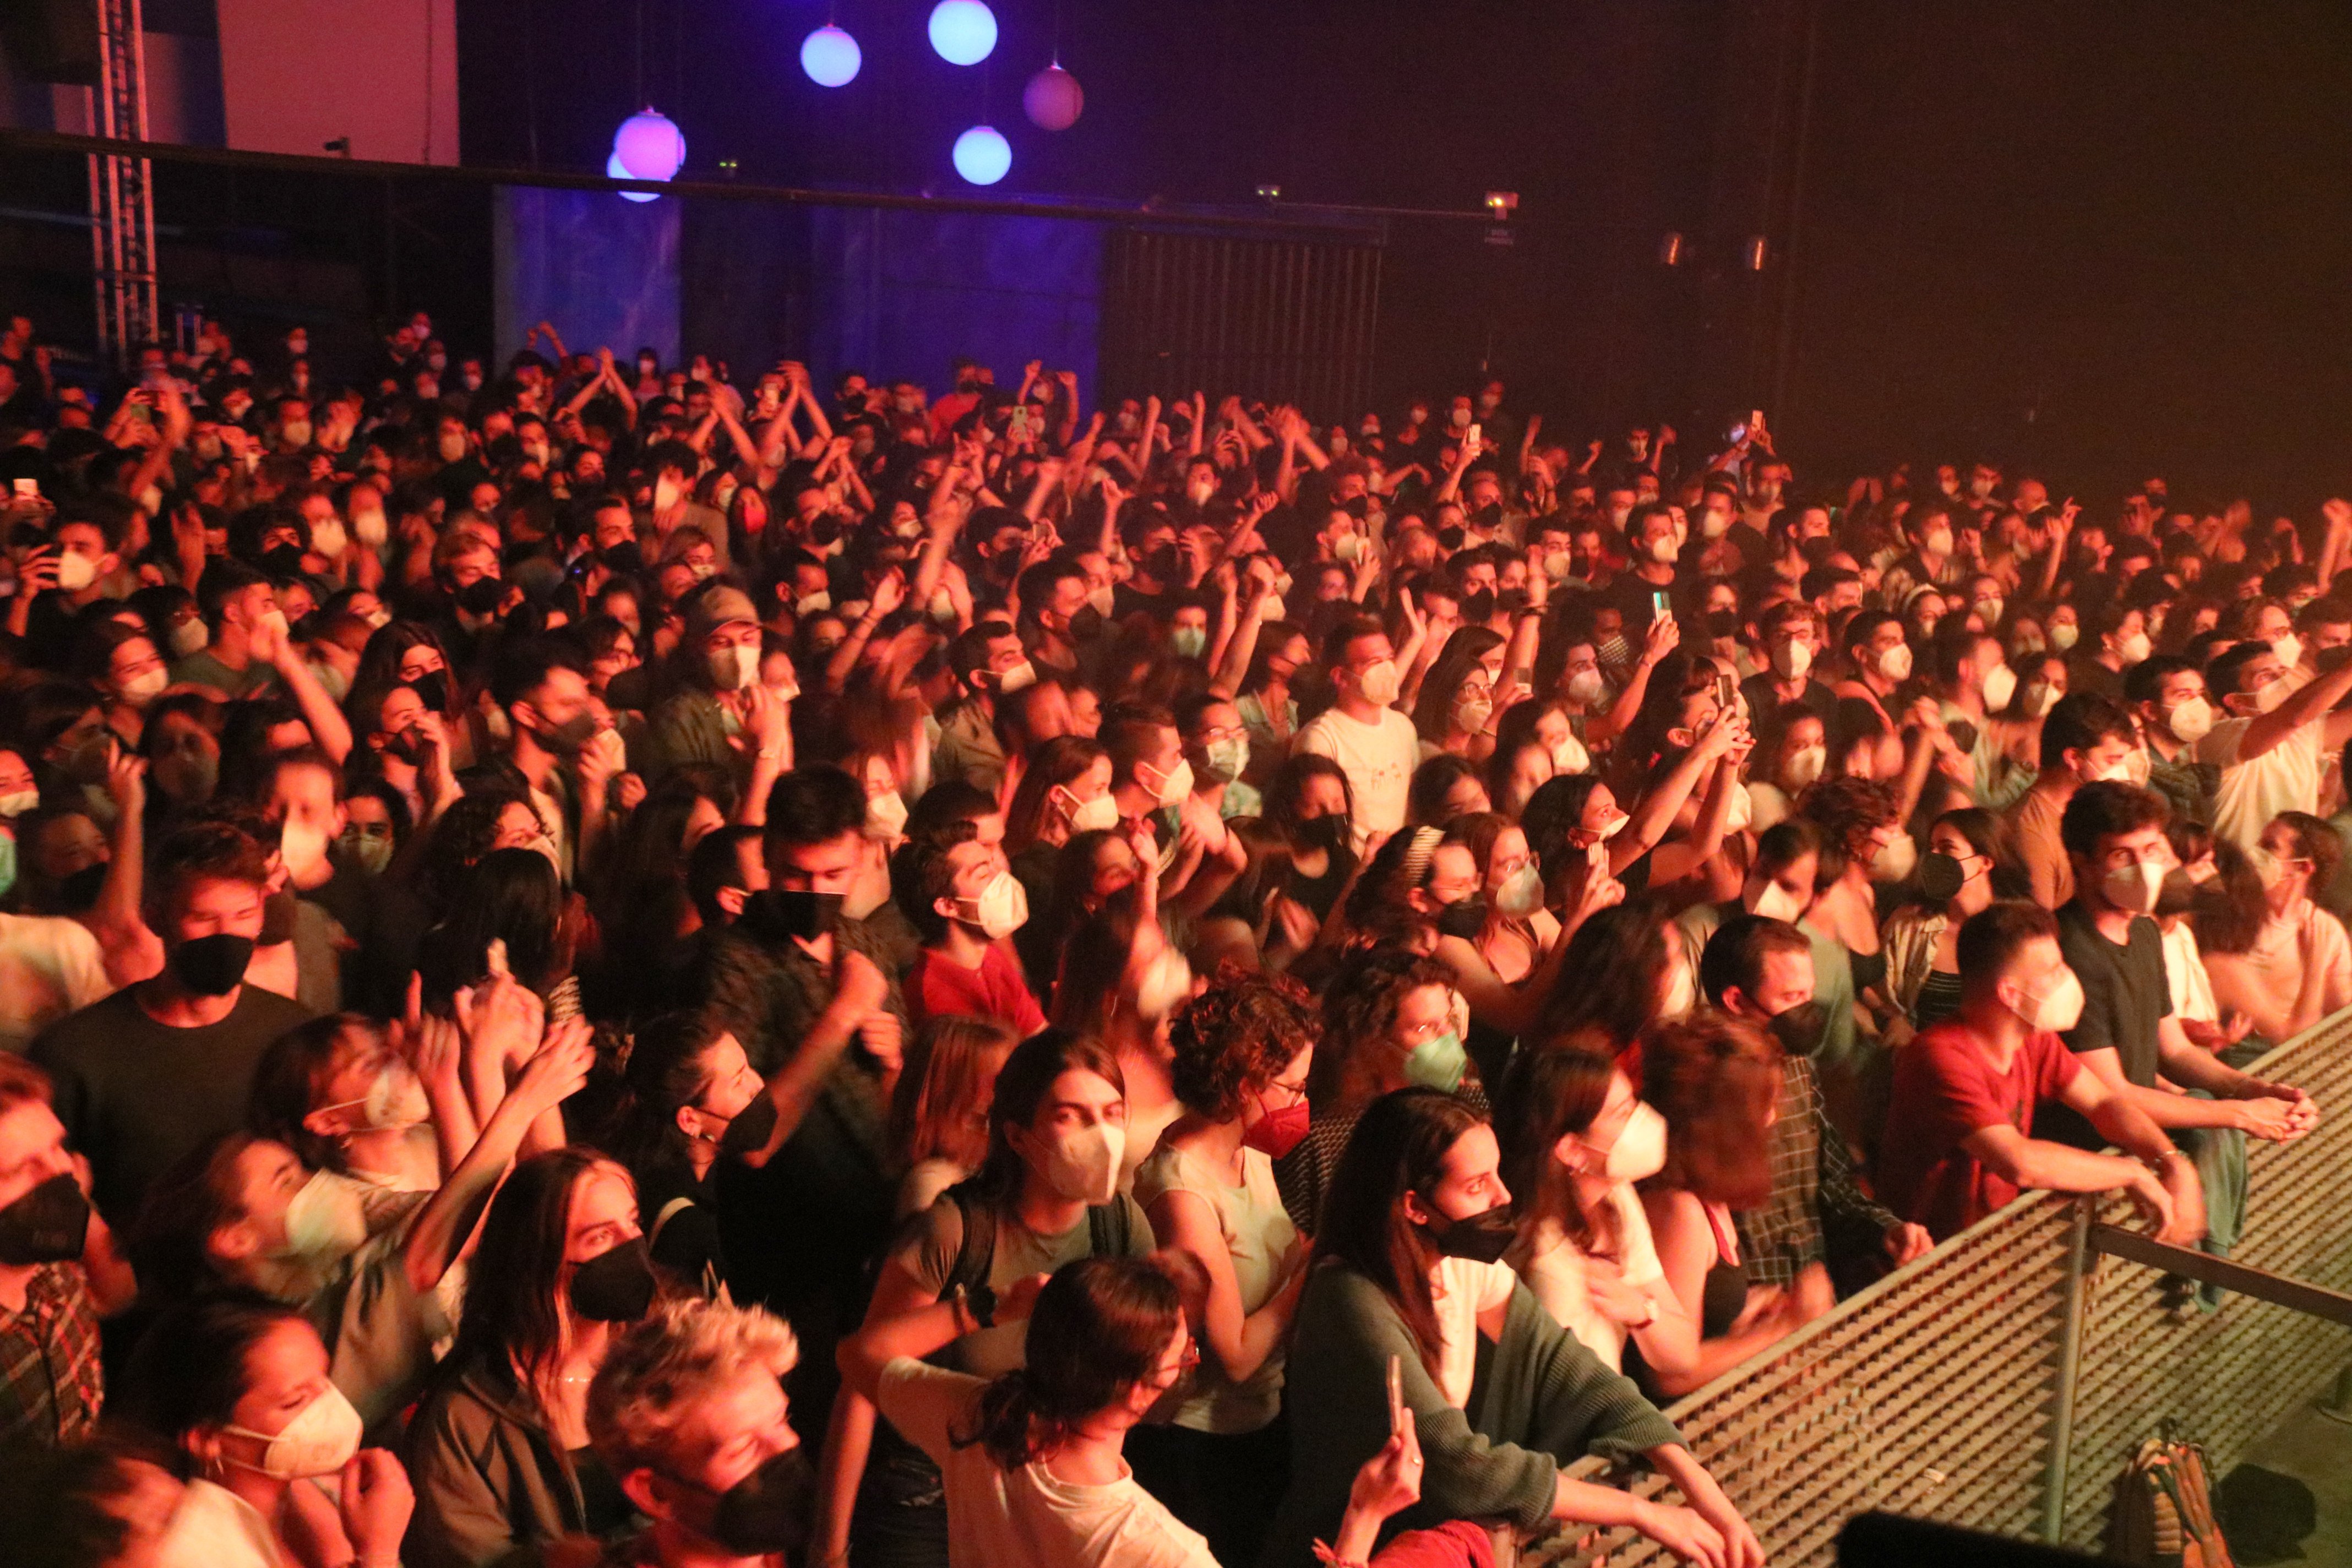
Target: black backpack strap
(1108, 1228)
(977, 1253)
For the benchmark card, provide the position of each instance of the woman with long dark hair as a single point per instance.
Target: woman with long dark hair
(1971, 860)
(498, 1451)
(960, 1280)
(1031, 1460)
(1408, 1272)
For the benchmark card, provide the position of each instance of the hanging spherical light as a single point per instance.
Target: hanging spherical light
(830, 57)
(612, 171)
(963, 31)
(982, 155)
(650, 146)
(1053, 99)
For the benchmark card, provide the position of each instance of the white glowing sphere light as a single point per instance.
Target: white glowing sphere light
(830, 57)
(963, 31)
(982, 156)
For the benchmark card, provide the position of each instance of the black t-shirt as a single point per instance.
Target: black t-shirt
(2126, 995)
(136, 1095)
(1818, 700)
(1630, 593)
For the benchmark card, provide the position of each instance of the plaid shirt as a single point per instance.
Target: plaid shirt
(50, 1385)
(1817, 1207)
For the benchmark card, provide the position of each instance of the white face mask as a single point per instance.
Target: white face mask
(2134, 887)
(1894, 664)
(1002, 909)
(1521, 894)
(1792, 660)
(2134, 649)
(1379, 682)
(368, 523)
(1082, 1165)
(1348, 549)
(2290, 651)
(2053, 1006)
(810, 604)
(329, 539)
(1102, 600)
(1805, 764)
(1020, 677)
(1570, 757)
(2000, 686)
(189, 637)
(1639, 1152)
(1777, 903)
(2064, 635)
(2190, 720)
(1586, 686)
(144, 688)
(325, 1221)
(76, 572)
(1663, 549)
(302, 846)
(1098, 815)
(1681, 995)
(1174, 784)
(318, 1441)
(1895, 861)
(16, 803)
(394, 1100)
(886, 815)
(734, 667)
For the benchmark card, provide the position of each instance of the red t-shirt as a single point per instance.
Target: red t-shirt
(1946, 1090)
(941, 988)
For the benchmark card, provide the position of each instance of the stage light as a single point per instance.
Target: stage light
(612, 171)
(1053, 100)
(982, 156)
(1502, 204)
(1670, 249)
(1755, 253)
(963, 31)
(650, 146)
(830, 57)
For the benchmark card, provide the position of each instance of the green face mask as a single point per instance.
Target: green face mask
(1438, 1063)
(7, 864)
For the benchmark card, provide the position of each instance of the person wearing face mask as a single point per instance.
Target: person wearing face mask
(238, 1388)
(958, 1289)
(1411, 1275)
(1064, 791)
(1793, 641)
(565, 752)
(2127, 1037)
(1780, 885)
(2168, 696)
(153, 1070)
(59, 1270)
(1372, 742)
(1269, 712)
(246, 1212)
(1151, 783)
(1864, 842)
(338, 1092)
(1974, 687)
(1971, 861)
(2271, 742)
(2084, 739)
(1966, 1125)
(1574, 1139)
(965, 902)
(689, 1418)
(988, 662)
(121, 661)
(720, 714)
(1217, 748)
(1762, 970)
(2116, 639)
(1243, 1049)
(1880, 662)
(499, 1450)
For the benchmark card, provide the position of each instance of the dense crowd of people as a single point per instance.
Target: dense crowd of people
(612, 963)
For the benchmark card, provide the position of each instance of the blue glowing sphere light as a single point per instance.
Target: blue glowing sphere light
(982, 155)
(830, 57)
(963, 31)
(612, 171)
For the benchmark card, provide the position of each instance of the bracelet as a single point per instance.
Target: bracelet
(1331, 1559)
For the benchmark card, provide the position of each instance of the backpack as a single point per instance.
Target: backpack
(2164, 1510)
(1108, 1228)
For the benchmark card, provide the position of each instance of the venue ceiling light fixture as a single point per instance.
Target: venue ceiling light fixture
(963, 31)
(831, 57)
(982, 156)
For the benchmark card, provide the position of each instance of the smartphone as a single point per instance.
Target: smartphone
(28, 489)
(1396, 1397)
(1017, 428)
(1735, 434)
(1725, 692)
(1662, 606)
(1477, 437)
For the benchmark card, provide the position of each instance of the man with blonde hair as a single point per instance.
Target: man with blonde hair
(690, 1414)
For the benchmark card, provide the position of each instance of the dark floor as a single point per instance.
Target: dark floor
(2291, 1501)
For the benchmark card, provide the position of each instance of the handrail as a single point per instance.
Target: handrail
(2207, 1269)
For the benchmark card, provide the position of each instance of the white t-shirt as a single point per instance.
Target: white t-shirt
(2184, 971)
(2285, 778)
(1028, 1518)
(50, 966)
(1459, 1291)
(1378, 759)
(1556, 1273)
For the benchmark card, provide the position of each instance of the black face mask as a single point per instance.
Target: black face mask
(776, 914)
(1940, 877)
(1481, 1238)
(768, 1511)
(482, 596)
(1479, 606)
(1086, 625)
(212, 965)
(433, 690)
(78, 892)
(625, 558)
(567, 739)
(1464, 919)
(1799, 1029)
(47, 1224)
(748, 1133)
(284, 560)
(2178, 895)
(615, 1287)
(277, 911)
(1326, 833)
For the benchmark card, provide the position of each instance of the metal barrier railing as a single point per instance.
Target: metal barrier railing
(2004, 1381)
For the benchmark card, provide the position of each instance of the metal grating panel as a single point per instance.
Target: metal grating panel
(1937, 1392)
(1293, 320)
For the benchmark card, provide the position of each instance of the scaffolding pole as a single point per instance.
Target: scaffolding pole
(121, 193)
